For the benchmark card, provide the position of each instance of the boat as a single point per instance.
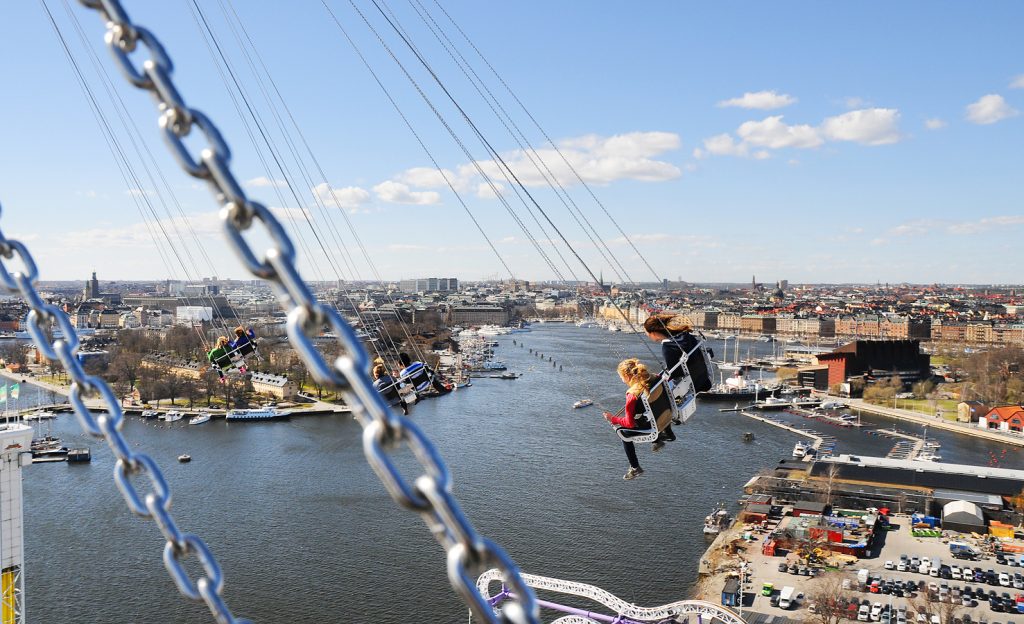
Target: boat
(79, 455)
(800, 450)
(173, 416)
(39, 415)
(508, 376)
(148, 414)
(266, 413)
(773, 403)
(48, 447)
(582, 403)
(463, 384)
(200, 419)
(737, 388)
(614, 328)
(493, 365)
(717, 521)
(184, 458)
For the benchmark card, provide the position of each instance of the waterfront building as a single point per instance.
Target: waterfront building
(1005, 418)
(971, 411)
(191, 369)
(877, 359)
(465, 316)
(276, 386)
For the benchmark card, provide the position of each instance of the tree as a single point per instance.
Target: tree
(190, 391)
(210, 383)
(126, 366)
(13, 353)
(930, 603)
(172, 386)
(829, 597)
(830, 476)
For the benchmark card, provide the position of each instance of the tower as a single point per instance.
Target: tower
(15, 453)
(92, 288)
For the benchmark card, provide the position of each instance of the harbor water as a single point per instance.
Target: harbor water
(306, 533)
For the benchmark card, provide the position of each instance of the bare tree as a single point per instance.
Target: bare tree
(830, 478)
(210, 384)
(190, 391)
(172, 386)
(126, 366)
(929, 602)
(829, 598)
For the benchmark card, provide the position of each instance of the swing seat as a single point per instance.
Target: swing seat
(658, 402)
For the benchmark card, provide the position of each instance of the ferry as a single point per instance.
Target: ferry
(582, 403)
(266, 413)
(200, 419)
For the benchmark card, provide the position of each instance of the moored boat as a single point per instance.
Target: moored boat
(266, 413)
(173, 416)
(200, 419)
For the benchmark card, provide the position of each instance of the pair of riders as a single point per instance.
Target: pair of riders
(677, 341)
(226, 354)
(423, 379)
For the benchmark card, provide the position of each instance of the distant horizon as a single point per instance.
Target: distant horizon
(740, 285)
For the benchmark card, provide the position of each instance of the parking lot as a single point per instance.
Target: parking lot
(899, 591)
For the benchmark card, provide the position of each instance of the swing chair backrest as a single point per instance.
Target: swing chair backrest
(658, 408)
(684, 397)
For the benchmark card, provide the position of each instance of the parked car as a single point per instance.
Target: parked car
(864, 614)
(1004, 579)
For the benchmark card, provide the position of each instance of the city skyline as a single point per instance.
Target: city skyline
(807, 145)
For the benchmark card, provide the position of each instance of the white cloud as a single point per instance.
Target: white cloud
(485, 190)
(773, 133)
(428, 177)
(349, 198)
(722, 145)
(761, 100)
(140, 235)
(989, 109)
(920, 227)
(1017, 82)
(598, 160)
(855, 102)
(984, 224)
(263, 181)
(398, 193)
(869, 126)
(935, 123)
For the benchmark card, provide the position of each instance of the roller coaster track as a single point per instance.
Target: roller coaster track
(706, 612)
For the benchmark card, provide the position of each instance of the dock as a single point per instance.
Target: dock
(818, 440)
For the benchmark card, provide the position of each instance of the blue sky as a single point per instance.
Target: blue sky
(798, 140)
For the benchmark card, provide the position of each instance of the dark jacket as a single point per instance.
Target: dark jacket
(244, 344)
(673, 349)
(388, 389)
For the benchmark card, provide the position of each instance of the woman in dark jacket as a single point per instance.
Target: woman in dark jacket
(675, 332)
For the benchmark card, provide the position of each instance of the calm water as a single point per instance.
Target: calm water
(305, 532)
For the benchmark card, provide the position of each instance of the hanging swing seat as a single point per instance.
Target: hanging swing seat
(658, 402)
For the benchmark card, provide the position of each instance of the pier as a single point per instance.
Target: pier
(817, 439)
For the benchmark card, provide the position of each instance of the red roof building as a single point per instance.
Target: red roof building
(1006, 418)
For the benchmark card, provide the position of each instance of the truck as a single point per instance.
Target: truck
(960, 550)
(786, 597)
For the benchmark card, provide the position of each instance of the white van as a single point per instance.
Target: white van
(786, 597)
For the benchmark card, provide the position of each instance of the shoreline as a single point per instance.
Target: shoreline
(860, 405)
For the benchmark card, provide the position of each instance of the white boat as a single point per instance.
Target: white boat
(200, 419)
(717, 521)
(173, 416)
(266, 413)
(585, 323)
(147, 414)
(799, 450)
(184, 458)
(39, 415)
(493, 365)
(582, 403)
(614, 328)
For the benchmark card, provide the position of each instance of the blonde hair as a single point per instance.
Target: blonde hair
(668, 323)
(635, 373)
(379, 371)
(222, 341)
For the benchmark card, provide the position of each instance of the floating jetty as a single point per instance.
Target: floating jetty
(822, 445)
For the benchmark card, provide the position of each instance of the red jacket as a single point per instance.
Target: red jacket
(628, 419)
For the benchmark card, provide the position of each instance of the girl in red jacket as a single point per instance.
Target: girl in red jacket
(634, 374)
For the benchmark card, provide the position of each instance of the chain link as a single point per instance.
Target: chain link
(155, 505)
(383, 429)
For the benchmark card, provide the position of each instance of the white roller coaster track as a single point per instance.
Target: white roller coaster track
(708, 612)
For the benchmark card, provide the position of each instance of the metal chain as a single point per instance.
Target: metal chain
(154, 505)
(384, 431)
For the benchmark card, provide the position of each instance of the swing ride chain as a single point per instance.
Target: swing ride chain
(384, 430)
(155, 505)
